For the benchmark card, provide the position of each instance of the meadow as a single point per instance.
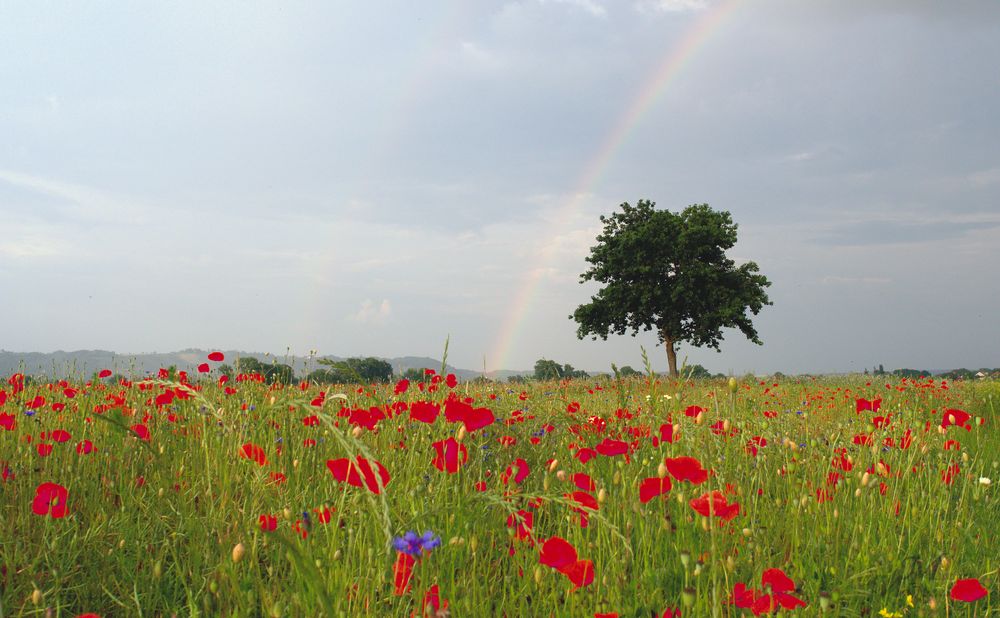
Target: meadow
(205, 495)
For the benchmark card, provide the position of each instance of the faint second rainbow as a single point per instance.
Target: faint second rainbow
(674, 61)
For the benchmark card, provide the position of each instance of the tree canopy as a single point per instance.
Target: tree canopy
(363, 370)
(669, 272)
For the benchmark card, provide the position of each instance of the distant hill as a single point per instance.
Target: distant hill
(84, 363)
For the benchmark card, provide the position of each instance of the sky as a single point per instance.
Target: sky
(375, 178)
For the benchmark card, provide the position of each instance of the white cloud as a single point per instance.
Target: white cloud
(84, 202)
(589, 6)
(370, 313)
(671, 6)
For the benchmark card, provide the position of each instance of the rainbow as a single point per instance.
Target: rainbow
(674, 61)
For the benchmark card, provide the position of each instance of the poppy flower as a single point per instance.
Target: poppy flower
(402, 571)
(584, 482)
(864, 404)
(451, 455)
(667, 433)
(268, 523)
(424, 412)
(715, 504)
(85, 447)
(652, 487)
(968, 590)
(105, 373)
(50, 499)
(141, 431)
(557, 553)
(204, 368)
(693, 410)
(959, 418)
(585, 454)
(8, 421)
(360, 473)
(523, 522)
(473, 418)
(686, 469)
(610, 448)
(433, 602)
(581, 573)
(253, 452)
(217, 357)
(522, 471)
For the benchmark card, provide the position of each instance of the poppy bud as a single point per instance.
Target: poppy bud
(661, 470)
(687, 597)
(561, 475)
(36, 597)
(732, 385)
(238, 551)
(602, 496)
(824, 601)
(461, 434)
(554, 465)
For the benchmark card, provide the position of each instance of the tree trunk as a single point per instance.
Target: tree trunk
(671, 353)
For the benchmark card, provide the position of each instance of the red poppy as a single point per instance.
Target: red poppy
(584, 499)
(610, 448)
(268, 523)
(715, 504)
(959, 418)
(424, 412)
(85, 448)
(141, 431)
(686, 469)
(523, 523)
(360, 473)
(585, 454)
(667, 433)
(652, 487)
(864, 404)
(451, 380)
(204, 368)
(44, 449)
(968, 590)
(433, 604)
(693, 410)
(584, 482)
(254, 453)
(473, 418)
(581, 573)
(522, 471)
(401, 387)
(451, 455)
(401, 573)
(557, 553)
(8, 421)
(105, 373)
(50, 499)
(217, 357)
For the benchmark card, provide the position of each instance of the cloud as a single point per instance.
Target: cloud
(372, 314)
(671, 6)
(84, 202)
(874, 233)
(589, 6)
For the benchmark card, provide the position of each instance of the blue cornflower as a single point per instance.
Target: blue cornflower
(29, 412)
(412, 544)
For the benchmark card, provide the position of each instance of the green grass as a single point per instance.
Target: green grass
(164, 545)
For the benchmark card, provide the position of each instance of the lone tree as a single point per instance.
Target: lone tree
(669, 271)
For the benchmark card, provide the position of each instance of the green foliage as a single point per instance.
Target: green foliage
(413, 374)
(551, 370)
(274, 373)
(669, 272)
(365, 370)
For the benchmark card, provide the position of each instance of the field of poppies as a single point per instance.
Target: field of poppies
(208, 495)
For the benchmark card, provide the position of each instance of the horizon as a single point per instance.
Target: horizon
(380, 180)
